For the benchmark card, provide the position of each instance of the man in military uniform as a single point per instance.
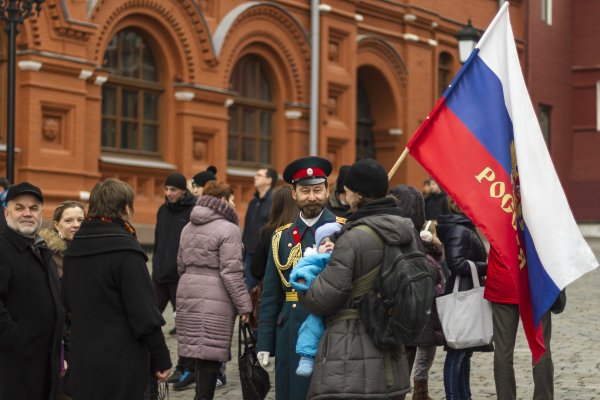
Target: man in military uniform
(280, 313)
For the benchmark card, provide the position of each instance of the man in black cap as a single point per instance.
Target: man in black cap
(171, 217)
(280, 313)
(31, 313)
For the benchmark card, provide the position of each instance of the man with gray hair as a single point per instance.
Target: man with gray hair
(31, 313)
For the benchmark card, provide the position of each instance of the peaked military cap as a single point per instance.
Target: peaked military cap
(307, 171)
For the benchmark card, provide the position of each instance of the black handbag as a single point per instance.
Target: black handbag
(254, 379)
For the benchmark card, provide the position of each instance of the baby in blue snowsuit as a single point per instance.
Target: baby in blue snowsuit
(301, 278)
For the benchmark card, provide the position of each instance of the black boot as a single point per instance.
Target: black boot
(205, 384)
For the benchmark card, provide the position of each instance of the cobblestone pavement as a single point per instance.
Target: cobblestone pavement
(575, 349)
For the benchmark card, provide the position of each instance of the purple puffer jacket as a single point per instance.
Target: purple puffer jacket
(211, 291)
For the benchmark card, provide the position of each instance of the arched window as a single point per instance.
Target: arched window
(445, 74)
(250, 129)
(130, 97)
(365, 142)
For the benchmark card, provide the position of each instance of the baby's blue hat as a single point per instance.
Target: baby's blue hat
(325, 231)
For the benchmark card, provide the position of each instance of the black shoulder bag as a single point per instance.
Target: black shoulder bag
(253, 378)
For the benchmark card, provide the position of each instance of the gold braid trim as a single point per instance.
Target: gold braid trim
(293, 258)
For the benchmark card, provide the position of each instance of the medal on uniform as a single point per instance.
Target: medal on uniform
(296, 236)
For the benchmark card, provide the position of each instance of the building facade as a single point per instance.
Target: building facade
(564, 80)
(137, 89)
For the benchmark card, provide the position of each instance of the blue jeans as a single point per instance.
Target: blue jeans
(251, 281)
(457, 371)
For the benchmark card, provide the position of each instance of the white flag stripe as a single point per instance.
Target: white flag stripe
(559, 243)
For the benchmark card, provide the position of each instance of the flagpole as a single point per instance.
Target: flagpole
(501, 11)
(397, 164)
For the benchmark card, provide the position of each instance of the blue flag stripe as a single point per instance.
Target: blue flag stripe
(543, 289)
(478, 101)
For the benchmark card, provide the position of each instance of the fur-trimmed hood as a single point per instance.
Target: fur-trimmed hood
(54, 242)
(209, 208)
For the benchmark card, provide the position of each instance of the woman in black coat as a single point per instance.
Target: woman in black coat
(118, 350)
(461, 245)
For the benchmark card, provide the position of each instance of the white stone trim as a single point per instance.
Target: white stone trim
(100, 80)
(293, 114)
(30, 65)
(410, 37)
(184, 95)
(243, 172)
(134, 162)
(85, 73)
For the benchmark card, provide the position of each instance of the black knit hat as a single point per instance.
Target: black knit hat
(24, 188)
(368, 178)
(202, 178)
(339, 183)
(176, 180)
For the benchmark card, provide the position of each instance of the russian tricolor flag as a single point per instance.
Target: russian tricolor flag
(483, 144)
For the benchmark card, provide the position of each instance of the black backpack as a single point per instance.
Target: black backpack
(397, 296)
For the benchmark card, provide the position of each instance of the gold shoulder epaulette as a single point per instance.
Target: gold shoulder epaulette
(340, 220)
(282, 228)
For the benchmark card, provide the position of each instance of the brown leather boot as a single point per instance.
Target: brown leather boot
(421, 391)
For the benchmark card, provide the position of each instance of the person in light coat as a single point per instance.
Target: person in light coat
(211, 291)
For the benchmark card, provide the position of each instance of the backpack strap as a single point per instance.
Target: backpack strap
(369, 231)
(363, 284)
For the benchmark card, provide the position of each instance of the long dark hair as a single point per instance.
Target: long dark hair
(283, 209)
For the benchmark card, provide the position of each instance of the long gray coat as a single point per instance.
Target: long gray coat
(211, 290)
(347, 364)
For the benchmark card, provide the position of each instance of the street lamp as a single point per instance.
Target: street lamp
(467, 39)
(13, 13)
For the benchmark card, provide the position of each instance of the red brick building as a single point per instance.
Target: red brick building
(564, 84)
(136, 89)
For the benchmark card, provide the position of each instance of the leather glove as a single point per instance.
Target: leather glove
(263, 358)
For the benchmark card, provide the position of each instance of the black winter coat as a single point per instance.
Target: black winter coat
(117, 341)
(31, 320)
(436, 205)
(257, 216)
(170, 220)
(461, 244)
(261, 256)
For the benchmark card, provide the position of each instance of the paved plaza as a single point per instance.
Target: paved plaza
(575, 349)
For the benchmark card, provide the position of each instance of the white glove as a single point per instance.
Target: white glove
(263, 358)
